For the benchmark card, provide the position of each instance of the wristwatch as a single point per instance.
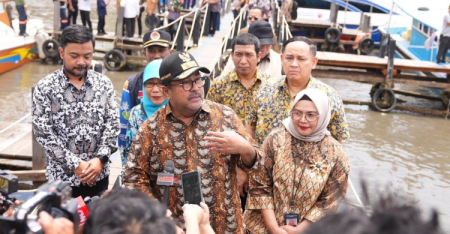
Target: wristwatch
(104, 159)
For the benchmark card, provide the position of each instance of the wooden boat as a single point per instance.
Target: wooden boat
(16, 50)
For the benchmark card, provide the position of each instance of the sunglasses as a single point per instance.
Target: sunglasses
(253, 18)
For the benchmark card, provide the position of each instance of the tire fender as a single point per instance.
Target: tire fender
(378, 94)
(50, 48)
(114, 60)
(329, 32)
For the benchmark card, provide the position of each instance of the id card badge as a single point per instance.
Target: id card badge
(291, 219)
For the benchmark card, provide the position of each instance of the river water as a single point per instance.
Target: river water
(405, 153)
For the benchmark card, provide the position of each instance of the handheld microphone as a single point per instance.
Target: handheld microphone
(166, 179)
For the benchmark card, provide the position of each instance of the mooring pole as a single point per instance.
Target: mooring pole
(119, 23)
(384, 44)
(333, 13)
(56, 16)
(390, 65)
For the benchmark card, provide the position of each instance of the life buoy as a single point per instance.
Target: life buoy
(114, 60)
(332, 35)
(382, 105)
(50, 48)
(366, 45)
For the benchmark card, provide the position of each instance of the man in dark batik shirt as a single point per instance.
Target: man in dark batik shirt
(75, 117)
(198, 135)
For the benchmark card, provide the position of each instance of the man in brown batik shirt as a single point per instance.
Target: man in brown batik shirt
(196, 134)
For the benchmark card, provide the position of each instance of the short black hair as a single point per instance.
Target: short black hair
(257, 8)
(246, 39)
(76, 34)
(126, 211)
(312, 45)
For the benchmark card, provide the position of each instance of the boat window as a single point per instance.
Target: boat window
(425, 29)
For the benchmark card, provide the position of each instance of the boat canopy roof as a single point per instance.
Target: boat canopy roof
(432, 17)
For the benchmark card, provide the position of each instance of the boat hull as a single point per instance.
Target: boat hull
(15, 57)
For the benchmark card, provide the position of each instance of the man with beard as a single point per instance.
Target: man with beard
(75, 117)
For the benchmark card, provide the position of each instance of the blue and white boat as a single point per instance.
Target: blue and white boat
(418, 40)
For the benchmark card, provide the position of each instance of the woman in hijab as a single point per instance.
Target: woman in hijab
(302, 174)
(153, 99)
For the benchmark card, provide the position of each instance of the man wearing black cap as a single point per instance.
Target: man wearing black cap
(156, 46)
(270, 61)
(196, 134)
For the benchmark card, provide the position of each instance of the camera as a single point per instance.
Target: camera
(53, 197)
(8, 184)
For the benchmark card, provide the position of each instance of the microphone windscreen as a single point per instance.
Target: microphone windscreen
(169, 167)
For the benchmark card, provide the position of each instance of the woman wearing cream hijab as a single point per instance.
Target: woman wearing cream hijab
(303, 173)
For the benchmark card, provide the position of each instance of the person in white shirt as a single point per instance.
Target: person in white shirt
(85, 11)
(444, 39)
(130, 15)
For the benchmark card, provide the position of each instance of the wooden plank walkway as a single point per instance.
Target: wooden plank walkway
(361, 61)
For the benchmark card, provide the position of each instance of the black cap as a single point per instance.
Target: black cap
(157, 37)
(263, 31)
(179, 65)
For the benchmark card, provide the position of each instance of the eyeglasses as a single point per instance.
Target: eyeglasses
(187, 85)
(310, 117)
(253, 18)
(152, 85)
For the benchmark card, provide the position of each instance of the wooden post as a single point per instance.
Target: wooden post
(38, 156)
(366, 25)
(390, 65)
(180, 38)
(333, 12)
(56, 17)
(119, 23)
(384, 44)
(206, 18)
(361, 21)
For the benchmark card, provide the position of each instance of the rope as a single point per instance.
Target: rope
(12, 125)
(356, 194)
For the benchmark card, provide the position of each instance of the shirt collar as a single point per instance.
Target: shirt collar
(282, 82)
(234, 77)
(205, 107)
(65, 80)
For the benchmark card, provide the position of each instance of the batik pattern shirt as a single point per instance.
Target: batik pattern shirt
(163, 137)
(74, 124)
(229, 91)
(316, 181)
(273, 102)
(137, 117)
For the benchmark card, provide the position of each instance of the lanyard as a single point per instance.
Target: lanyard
(294, 193)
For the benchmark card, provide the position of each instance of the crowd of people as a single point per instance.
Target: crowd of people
(264, 134)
